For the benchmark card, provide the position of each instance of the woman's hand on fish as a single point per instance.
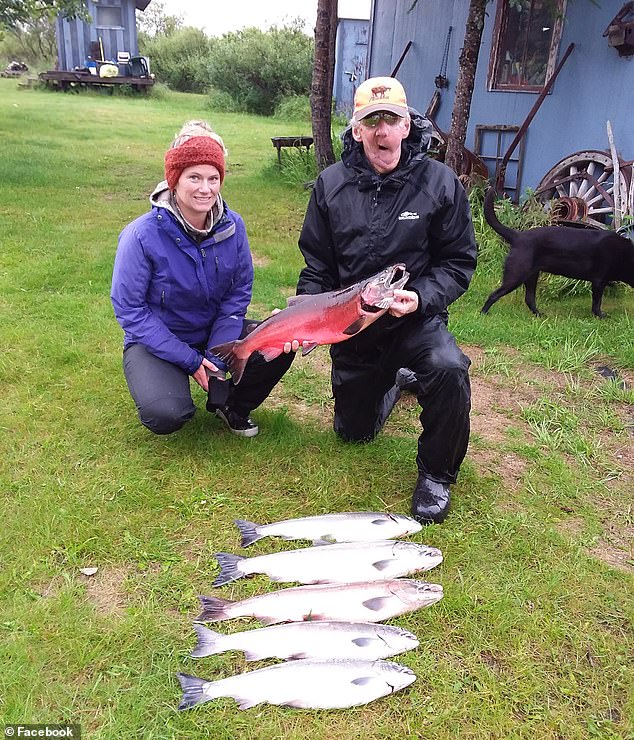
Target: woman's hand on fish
(201, 376)
(405, 301)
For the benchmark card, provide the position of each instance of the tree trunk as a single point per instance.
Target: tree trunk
(464, 86)
(322, 82)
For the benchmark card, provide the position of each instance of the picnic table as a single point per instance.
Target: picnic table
(293, 141)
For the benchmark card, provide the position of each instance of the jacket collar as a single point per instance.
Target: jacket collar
(162, 197)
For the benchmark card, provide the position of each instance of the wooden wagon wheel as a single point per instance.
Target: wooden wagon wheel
(580, 189)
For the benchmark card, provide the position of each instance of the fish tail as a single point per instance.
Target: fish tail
(227, 353)
(193, 691)
(229, 570)
(214, 609)
(249, 532)
(209, 642)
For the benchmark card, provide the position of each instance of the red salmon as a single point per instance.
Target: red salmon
(324, 318)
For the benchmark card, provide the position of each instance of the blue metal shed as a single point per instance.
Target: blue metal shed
(350, 61)
(112, 30)
(595, 85)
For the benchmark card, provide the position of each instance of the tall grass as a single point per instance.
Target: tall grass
(533, 637)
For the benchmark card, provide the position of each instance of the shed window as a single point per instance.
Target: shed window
(526, 39)
(109, 16)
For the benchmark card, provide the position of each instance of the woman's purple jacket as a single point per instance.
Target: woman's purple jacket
(176, 297)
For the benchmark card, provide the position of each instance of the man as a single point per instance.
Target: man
(387, 202)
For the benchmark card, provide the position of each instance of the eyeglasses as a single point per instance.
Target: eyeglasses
(373, 121)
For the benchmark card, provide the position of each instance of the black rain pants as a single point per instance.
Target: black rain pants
(162, 393)
(363, 374)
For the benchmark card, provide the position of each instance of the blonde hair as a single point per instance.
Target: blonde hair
(197, 128)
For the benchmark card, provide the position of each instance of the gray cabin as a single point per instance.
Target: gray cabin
(566, 145)
(111, 35)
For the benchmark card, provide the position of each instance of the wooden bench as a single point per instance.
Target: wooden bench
(295, 141)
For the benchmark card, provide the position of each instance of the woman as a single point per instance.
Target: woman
(181, 283)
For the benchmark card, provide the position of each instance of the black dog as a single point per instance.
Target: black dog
(584, 254)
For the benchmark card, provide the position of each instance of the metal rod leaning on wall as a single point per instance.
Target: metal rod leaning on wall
(501, 174)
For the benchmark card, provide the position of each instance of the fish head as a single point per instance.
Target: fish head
(377, 292)
(429, 557)
(399, 639)
(407, 524)
(396, 675)
(416, 593)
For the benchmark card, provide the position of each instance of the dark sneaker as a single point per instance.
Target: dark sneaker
(430, 502)
(243, 426)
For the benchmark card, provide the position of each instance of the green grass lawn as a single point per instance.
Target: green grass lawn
(534, 635)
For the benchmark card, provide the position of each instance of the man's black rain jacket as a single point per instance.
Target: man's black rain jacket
(359, 222)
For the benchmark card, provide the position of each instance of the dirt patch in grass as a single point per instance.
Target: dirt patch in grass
(105, 590)
(496, 421)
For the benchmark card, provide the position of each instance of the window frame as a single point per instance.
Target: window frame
(109, 7)
(499, 28)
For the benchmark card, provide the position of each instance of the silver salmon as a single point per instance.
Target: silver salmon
(305, 684)
(350, 526)
(347, 562)
(373, 601)
(324, 318)
(318, 640)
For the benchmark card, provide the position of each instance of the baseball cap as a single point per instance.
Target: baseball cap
(379, 94)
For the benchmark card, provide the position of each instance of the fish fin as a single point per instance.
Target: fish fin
(380, 522)
(294, 300)
(270, 353)
(363, 641)
(244, 703)
(376, 604)
(214, 609)
(208, 642)
(385, 302)
(355, 327)
(382, 564)
(249, 656)
(296, 703)
(308, 347)
(327, 539)
(229, 570)
(248, 530)
(363, 680)
(193, 691)
(267, 620)
(227, 353)
(297, 656)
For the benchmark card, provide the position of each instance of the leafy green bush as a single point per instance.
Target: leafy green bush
(219, 100)
(180, 59)
(259, 68)
(299, 167)
(294, 108)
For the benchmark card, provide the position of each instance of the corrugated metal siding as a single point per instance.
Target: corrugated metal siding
(595, 84)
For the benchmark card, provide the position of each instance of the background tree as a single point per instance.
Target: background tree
(322, 82)
(259, 68)
(154, 21)
(32, 41)
(467, 66)
(16, 12)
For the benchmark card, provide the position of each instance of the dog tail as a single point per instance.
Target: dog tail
(506, 232)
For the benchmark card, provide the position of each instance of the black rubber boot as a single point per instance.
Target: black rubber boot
(430, 501)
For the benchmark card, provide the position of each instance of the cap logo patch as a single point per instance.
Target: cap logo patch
(379, 93)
